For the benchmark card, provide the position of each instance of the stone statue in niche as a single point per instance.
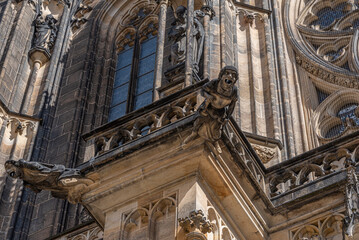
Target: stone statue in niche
(65, 183)
(220, 99)
(177, 36)
(45, 32)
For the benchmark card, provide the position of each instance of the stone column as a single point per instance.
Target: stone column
(210, 13)
(160, 47)
(189, 42)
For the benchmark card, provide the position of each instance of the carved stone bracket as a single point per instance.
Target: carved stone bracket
(196, 225)
(66, 183)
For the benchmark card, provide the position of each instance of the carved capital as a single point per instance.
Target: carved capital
(208, 10)
(196, 224)
(249, 17)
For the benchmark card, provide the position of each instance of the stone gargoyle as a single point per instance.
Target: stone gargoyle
(220, 99)
(65, 183)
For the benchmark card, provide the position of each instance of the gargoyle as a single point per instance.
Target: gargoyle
(220, 99)
(65, 183)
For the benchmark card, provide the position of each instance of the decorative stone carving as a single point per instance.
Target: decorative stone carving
(150, 121)
(196, 222)
(177, 36)
(66, 183)
(79, 17)
(308, 171)
(208, 10)
(329, 227)
(220, 99)
(325, 75)
(352, 200)
(264, 153)
(249, 17)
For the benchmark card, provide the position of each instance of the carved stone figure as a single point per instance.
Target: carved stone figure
(220, 99)
(66, 183)
(177, 35)
(351, 219)
(45, 32)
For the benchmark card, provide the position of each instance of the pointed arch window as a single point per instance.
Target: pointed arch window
(134, 74)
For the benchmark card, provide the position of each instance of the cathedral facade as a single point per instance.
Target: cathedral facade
(174, 119)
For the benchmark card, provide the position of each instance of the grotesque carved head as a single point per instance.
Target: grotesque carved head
(13, 169)
(228, 77)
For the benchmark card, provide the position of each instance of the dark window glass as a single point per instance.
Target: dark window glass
(147, 64)
(122, 76)
(134, 78)
(143, 99)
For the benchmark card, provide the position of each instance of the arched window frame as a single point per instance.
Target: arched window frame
(141, 29)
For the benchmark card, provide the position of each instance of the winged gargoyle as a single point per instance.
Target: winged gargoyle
(65, 183)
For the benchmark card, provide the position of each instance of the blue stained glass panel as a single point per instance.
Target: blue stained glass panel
(327, 15)
(144, 83)
(124, 58)
(117, 111)
(143, 100)
(122, 76)
(147, 64)
(119, 94)
(148, 47)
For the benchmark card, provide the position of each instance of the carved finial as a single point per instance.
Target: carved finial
(196, 222)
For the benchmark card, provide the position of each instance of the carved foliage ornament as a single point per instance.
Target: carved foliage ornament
(196, 222)
(66, 183)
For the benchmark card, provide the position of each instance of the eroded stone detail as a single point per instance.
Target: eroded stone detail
(196, 222)
(66, 183)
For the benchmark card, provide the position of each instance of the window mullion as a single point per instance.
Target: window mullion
(134, 73)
